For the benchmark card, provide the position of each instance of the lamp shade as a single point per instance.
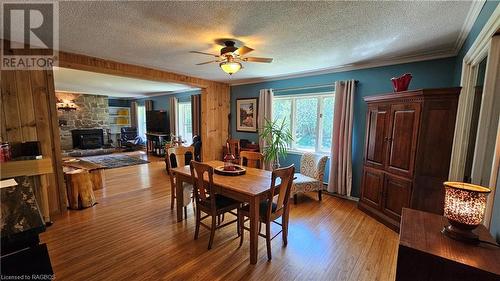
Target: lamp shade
(464, 207)
(230, 67)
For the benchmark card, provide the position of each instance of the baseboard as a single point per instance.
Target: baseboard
(355, 199)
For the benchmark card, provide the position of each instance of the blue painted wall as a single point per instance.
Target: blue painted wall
(495, 217)
(372, 81)
(161, 102)
(481, 20)
(119, 102)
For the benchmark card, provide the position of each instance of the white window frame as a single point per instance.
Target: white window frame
(181, 121)
(319, 124)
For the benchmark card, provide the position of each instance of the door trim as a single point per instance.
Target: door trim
(481, 48)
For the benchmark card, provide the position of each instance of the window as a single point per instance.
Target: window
(184, 121)
(141, 121)
(309, 118)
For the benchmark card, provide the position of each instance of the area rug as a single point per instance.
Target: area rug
(115, 160)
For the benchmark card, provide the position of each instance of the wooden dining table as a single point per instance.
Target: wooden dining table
(251, 188)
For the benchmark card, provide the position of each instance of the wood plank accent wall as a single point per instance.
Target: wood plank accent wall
(29, 114)
(215, 100)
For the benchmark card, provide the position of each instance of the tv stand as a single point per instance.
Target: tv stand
(155, 143)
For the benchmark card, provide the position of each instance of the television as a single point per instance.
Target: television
(157, 121)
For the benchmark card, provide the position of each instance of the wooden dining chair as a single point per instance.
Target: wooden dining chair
(175, 155)
(233, 147)
(167, 146)
(183, 154)
(253, 159)
(208, 201)
(272, 208)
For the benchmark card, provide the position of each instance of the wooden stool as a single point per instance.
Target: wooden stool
(97, 178)
(80, 189)
(96, 171)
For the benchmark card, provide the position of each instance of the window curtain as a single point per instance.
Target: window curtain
(340, 180)
(172, 105)
(133, 114)
(148, 104)
(196, 114)
(265, 111)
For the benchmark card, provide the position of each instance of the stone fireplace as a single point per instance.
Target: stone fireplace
(92, 112)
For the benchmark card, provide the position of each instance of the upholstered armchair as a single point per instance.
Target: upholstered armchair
(310, 178)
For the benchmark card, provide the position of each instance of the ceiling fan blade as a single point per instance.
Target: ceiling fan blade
(255, 59)
(203, 53)
(207, 62)
(243, 50)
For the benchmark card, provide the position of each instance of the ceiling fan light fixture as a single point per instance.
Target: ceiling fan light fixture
(230, 67)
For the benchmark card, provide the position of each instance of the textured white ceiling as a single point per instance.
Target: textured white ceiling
(77, 81)
(300, 36)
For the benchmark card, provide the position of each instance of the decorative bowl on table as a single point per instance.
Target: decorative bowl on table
(236, 170)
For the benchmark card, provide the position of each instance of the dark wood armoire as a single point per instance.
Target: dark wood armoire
(409, 138)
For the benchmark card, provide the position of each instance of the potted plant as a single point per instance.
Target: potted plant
(277, 137)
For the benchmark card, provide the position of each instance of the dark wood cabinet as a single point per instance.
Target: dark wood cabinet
(376, 131)
(396, 196)
(403, 130)
(408, 144)
(375, 179)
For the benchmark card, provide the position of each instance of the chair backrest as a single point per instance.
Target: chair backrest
(177, 155)
(128, 133)
(169, 165)
(285, 175)
(253, 159)
(203, 190)
(233, 147)
(313, 165)
(197, 147)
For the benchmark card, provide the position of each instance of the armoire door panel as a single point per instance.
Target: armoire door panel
(376, 136)
(397, 194)
(402, 138)
(371, 192)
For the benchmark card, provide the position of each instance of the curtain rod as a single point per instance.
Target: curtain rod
(307, 87)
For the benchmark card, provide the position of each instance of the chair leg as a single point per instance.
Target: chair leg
(284, 222)
(295, 199)
(268, 240)
(212, 231)
(319, 194)
(197, 229)
(186, 212)
(238, 221)
(241, 222)
(172, 197)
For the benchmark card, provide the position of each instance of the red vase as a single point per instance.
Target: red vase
(402, 82)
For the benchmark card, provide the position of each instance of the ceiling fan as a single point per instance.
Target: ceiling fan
(230, 57)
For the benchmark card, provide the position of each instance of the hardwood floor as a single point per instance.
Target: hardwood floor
(132, 234)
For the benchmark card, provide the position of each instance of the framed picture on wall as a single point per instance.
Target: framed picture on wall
(246, 115)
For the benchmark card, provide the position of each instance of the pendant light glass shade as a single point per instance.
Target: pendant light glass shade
(230, 67)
